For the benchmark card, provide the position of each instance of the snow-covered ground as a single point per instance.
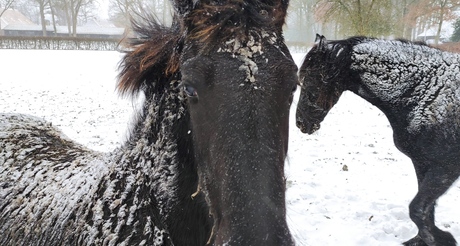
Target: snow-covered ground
(327, 205)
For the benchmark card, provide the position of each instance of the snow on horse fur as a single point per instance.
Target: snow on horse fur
(401, 72)
(68, 194)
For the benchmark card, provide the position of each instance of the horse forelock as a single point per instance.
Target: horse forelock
(215, 22)
(152, 57)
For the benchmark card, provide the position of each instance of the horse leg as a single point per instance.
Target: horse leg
(420, 171)
(432, 184)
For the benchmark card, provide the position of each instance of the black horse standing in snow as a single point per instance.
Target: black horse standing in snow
(418, 89)
(204, 164)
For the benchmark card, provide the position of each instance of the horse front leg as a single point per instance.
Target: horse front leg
(432, 184)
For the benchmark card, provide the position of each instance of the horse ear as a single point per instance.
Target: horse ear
(320, 42)
(280, 10)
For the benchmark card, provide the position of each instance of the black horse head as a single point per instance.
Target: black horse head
(320, 90)
(238, 79)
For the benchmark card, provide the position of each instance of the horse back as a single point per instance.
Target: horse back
(45, 180)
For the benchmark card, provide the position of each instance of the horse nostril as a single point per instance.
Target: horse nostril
(301, 126)
(315, 127)
(299, 123)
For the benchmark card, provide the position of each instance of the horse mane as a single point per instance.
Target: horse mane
(355, 40)
(151, 58)
(341, 50)
(405, 41)
(220, 20)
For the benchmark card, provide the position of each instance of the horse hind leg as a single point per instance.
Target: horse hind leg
(432, 185)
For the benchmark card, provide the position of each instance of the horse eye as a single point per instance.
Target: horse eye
(190, 91)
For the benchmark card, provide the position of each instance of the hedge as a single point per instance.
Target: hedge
(58, 43)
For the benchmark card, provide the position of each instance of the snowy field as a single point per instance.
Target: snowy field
(347, 183)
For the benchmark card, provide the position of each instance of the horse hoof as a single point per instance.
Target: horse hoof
(416, 241)
(442, 239)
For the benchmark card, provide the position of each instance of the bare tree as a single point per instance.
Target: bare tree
(42, 5)
(77, 7)
(404, 27)
(71, 11)
(53, 16)
(428, 13)
(121, 11)
(4, 5)
(359, 17)
(301, 20)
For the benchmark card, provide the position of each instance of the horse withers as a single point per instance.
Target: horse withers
(204, 163)
(417, 87)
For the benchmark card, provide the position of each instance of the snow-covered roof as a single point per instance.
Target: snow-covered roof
(14, 17)
(17, 27)
(446, 31)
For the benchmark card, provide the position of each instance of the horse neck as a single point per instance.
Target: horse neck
(158, 161)
(150, 156)
(391, 107)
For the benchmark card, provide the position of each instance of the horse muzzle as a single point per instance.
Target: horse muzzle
(307, 127)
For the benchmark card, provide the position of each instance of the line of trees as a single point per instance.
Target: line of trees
(334, 18)
(379, 18)
(121, 11)
(71, 13)
(61, 12)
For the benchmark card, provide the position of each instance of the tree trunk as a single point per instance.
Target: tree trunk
(74, 29)
(441, 19)
(438, 32)
(75, 9)
(42, 17)
(53, 19)
(360, 25)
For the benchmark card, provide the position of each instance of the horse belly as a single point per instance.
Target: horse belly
(430, 143)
